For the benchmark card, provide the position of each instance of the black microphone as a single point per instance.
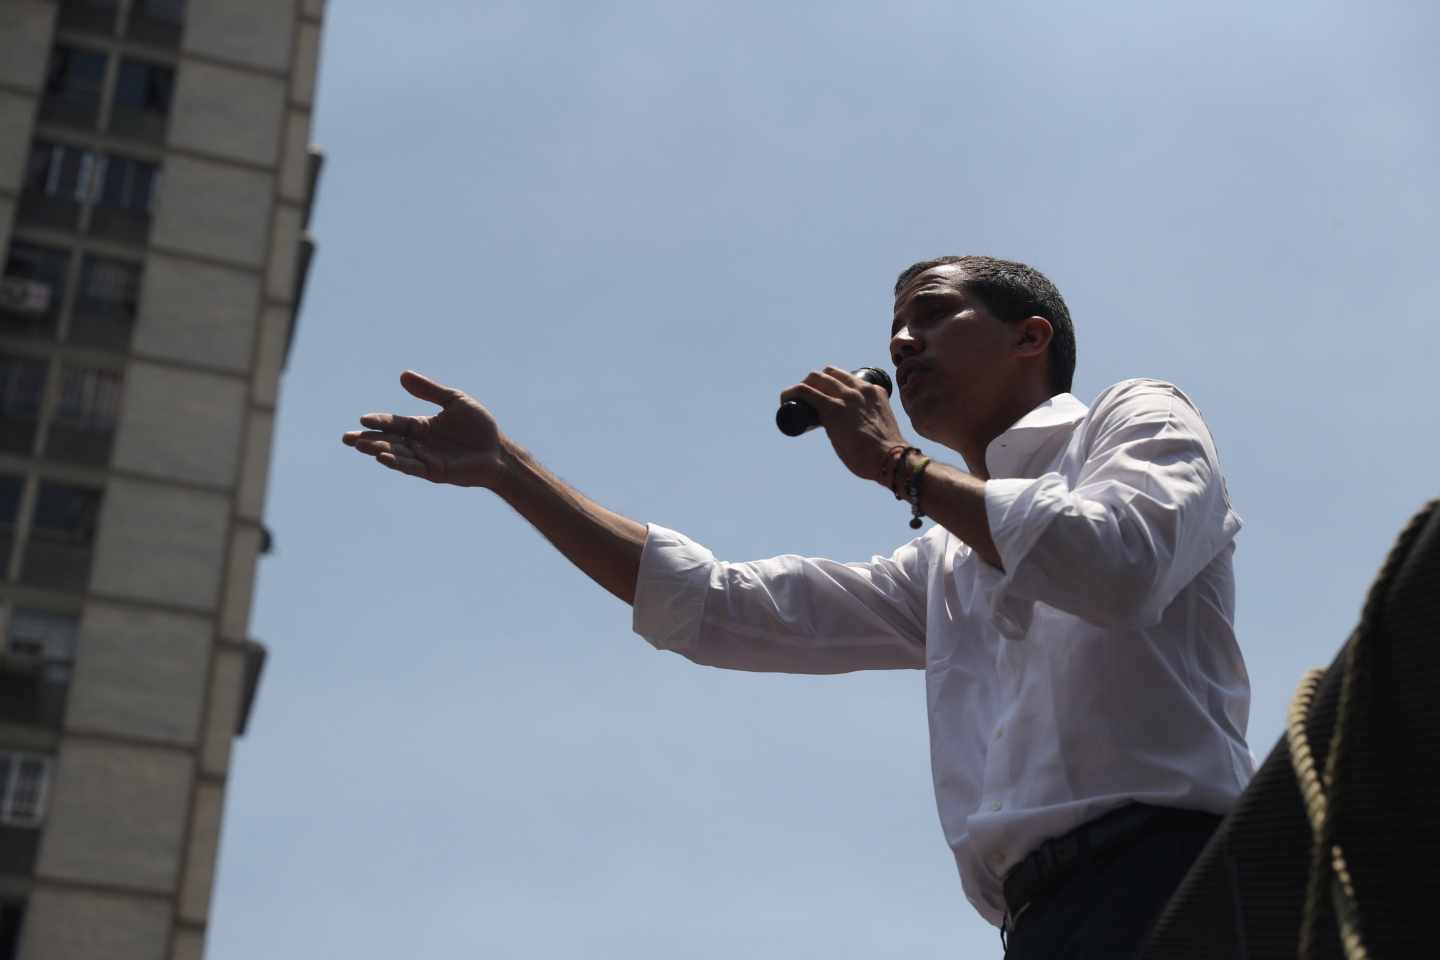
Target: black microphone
(796, 416)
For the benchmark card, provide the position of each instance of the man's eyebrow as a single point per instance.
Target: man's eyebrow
(937, 293)
(932, 299)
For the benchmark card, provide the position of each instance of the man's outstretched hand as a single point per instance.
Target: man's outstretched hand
(460, 445)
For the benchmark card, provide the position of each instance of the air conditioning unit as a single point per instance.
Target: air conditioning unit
(19, 295)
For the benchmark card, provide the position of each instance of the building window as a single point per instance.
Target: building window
(11, 489)
(122, 204)
(89, 16)
(58, 170)
(58, 180)
(24, 783)
(22, 386)
(83, 427)
(72, 87)
(62, 537)
(43, 637)
(127, 183)
(61, 179)
(35, 666)
(157, 21)
(105, 303)
(11, 913)
(32, 290)
(143, 93)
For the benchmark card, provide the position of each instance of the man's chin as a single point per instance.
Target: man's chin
(920, 424)
(920, 411)
(929, 425)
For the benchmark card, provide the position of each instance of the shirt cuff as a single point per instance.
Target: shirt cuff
(1018, 510)
(671, 589)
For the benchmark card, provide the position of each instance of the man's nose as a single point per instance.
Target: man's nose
(904, 344)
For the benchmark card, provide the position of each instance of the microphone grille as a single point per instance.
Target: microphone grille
(878, 377)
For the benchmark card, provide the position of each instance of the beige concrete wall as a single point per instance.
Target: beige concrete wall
(284, 252)
(234, 114)
(76, 925)
(189, 945)
(200, 854)
(295, 163)
(161, 543)
(255, 465)
(118, 813)
(222, 710)
(196, 313)
(17, 114)
(307, 64)
(240, 582)
(117, 816)
(181, 424)
(214, 210)
(25, 30)
(270, 358)
(245, 31)
(139, 673)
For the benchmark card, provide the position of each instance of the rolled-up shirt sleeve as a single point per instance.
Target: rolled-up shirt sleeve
(1147, 513)
(788, 614)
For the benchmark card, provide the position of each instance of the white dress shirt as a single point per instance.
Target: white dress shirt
(1099, 667)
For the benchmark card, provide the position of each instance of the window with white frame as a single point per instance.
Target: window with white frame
(89, 176)
(24, 784)
(62, 171)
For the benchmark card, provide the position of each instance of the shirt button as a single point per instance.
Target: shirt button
(996, 805)
(999, 734)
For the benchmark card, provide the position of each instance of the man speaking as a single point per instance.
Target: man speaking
(1072, 606)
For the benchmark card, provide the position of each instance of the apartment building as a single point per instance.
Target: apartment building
(156, 181)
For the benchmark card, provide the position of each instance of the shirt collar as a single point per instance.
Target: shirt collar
(1010, 453)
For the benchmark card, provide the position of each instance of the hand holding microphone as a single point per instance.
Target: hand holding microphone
(796, 416)
(857, 417)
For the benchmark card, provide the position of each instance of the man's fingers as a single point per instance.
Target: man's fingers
(825, 384)
(807, 393)
(427, 389)
(393, 451)
(392, 423)
(355, 438)
(404, 464)
(376, 447)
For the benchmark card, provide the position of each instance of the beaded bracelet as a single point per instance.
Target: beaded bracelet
(912, 492)
(889, 470)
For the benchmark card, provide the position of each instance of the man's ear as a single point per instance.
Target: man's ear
(1035, 334)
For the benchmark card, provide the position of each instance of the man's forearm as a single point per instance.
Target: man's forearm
(956, 500)
(603, 544)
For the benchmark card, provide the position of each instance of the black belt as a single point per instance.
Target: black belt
(1057, 858)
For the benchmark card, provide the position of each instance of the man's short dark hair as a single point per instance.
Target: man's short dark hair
(1014, 291)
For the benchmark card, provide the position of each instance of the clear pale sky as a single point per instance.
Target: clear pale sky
(626, 227)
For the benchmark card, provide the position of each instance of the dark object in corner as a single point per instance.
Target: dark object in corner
(1245, 896)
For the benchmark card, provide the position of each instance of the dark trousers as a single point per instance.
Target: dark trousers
(1104, 909)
